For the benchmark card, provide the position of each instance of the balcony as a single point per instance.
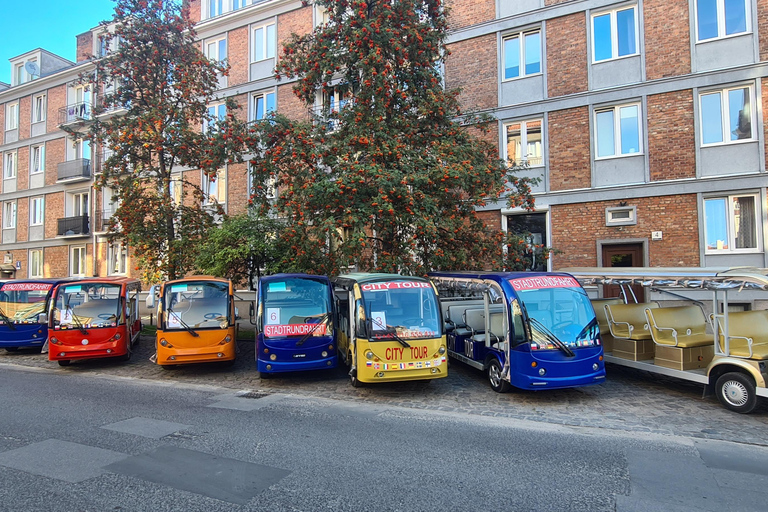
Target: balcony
(73, 226)
(75, 113)
(74, 170)
(101, 222)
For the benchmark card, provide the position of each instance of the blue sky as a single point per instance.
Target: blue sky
(48, 24)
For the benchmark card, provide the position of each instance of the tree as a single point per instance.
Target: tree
(385, 178)
(243, 247)
(157, 84)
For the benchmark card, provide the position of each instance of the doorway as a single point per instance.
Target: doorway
(623, 255)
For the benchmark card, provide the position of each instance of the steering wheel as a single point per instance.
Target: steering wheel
(106, 316)
(211, 316)
(561, 325)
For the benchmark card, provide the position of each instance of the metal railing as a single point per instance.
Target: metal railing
(75, 112)
(80, 168)
(69, 226)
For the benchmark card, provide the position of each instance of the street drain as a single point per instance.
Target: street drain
(254, 394)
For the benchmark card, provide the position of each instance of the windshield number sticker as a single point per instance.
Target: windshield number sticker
(174, 320)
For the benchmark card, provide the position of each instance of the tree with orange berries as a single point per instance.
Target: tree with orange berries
(153, 88)
(384, 177)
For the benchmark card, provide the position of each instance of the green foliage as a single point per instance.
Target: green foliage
(383, 178)
(241, 249)
(153, 89)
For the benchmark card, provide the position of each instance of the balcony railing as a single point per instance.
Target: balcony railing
(101, 222)
(74, 169)
(75, 112)
(72, 226)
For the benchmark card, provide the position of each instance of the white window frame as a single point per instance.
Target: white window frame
(612, 219)
(217, 113)
(39, 106)
(724, 117)
(264, 41)
(730, 224)
(10, 165)
(82, 260)
(18, 73)
(721, 21)
(617, 130)
(524, 140)
(9, 215)
(37, 160)
(12, 116)
(521, 36)
(117, 260)
(79, 204)
(36, 269)
(614, 35)
(37, 211)
(221, 188)
(215, 44)
(263, 95)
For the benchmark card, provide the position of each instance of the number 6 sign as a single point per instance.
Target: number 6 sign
(273, 316)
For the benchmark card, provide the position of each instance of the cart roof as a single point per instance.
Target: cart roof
(712, 278)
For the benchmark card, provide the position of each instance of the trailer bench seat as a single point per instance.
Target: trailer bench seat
(679, 326)
(602, 320)
(628, 321)
(748, 332)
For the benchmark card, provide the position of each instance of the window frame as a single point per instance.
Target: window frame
(264, 95)
(221, 188)
(216, 42)
(617, 130)
(40, 263)
(37, 158)
(524, 140)
(720, 7)
(614, 34)
(724, 117)
(10, 165)
(114, 265)
(83, 261)
(12, 116)
(39, 113)
(218, 107)
(264, 41)
(521, 53)
(10, 209)
(35, 211)
(730, 223)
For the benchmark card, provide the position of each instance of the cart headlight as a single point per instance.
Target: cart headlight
(542, 372)
(441, 350)
(369, 354)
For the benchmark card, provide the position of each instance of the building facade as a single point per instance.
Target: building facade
(641, 120)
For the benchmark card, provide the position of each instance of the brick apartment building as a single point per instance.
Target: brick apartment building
(643, 120)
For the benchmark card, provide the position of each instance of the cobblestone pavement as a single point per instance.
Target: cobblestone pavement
(630, 400)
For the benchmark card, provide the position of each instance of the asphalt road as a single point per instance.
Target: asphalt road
(92, 441)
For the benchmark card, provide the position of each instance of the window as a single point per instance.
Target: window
(36, 263)
(77, 259)
(263, 104)
(117, 259)
(621, 216)
(216, 50)
(215, 188)
(524, 143)
(38, 109)
(36, 211)
(12, 116)
(10, 166)
(264, 42)
(82, 149)
(9, 215)
(731, 223)
(614, 34)
(618, 130)
(38, 159)
(533, 226)
(215, 113)
(174, 189)
(522, 54)
(726, 115)
(721, 18)
(215, 7)
(79, 203)
(18, 74)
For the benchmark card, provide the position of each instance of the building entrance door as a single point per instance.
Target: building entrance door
(623, 255)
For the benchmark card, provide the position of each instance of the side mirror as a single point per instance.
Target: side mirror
(252, 314)
(42, 318)
(151, 297)
(237, 313)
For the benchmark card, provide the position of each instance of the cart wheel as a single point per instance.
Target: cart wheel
(64, 362)
(498, 384)
(736, 391)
